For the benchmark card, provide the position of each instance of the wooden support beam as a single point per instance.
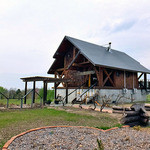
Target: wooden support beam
(124, 77)
(83, 63)
(89, 84)
(74, 52)
(77, 65)
(140, 76)
(33, 96)
(133, 81)
(108, 77)
(97, 74)
(73, 60)
(145, 81)
(25, 92)
(85, 73)
(100, 77)
(55, 88)
(44, 92)
(57, 74)
(66, 92)
(60, 69)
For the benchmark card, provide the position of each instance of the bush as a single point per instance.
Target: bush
(48, 102)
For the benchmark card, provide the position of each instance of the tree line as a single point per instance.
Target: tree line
(14, 93)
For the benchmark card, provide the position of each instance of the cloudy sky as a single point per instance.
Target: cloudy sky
(31, 31)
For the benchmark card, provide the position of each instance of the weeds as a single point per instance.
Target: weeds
(106, 127)
(137, 128)
(100, 145)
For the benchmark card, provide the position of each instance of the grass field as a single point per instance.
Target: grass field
(3, 102)
(148, 98)
(13, 122)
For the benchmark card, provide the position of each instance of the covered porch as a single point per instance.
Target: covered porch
(45, 81)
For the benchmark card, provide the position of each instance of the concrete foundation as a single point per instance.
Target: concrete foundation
(136, 94)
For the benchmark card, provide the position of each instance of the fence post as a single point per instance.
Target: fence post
(7, 102)
(21, 102)
(33, 96)
(41, 102)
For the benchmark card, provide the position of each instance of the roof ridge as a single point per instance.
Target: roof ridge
(68, 37)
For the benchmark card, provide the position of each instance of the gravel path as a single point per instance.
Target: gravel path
(77, 138)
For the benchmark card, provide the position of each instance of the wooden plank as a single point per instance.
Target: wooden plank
(60, 69)
(85, 73)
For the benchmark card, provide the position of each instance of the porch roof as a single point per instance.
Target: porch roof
(41, 78)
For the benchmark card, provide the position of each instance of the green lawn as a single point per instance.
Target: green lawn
(13, 122)
(148, 98)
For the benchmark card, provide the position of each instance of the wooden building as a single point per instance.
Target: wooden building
(89, 66)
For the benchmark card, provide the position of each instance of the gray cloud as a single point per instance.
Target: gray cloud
(31, 31)
(125, 25)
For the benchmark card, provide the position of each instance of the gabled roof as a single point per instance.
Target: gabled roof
(98, 55)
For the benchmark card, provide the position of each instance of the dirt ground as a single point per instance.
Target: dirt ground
(87, 110)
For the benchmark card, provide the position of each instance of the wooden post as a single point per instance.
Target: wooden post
(55, 87)
(124, 79)
(33, 97)
(100, 77)
(44, 92)
(7, 102)
(21, 103)
(89, 83)
(55, 90)
(74, 52)
(145, 81)
(25, 92)
(66, 92)
(133, 80)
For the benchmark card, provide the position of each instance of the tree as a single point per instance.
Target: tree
(18, 94)
(3, 91)
(12, 93)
